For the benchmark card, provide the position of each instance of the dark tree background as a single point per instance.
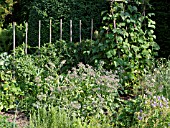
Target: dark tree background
(162, 18)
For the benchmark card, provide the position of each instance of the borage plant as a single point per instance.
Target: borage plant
(154, 112)
(85, 91)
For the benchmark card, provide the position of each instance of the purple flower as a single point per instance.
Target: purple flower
(141, 111)
(158, 97)
(163, 98)
(139, 117)
(166, 102)
(154, 104)
(160, 104)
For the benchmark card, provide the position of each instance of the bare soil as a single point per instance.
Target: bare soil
(20, 119)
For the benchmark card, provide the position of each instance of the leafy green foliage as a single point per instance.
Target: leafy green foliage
(9, 90)
(5, 9)
(89, 96)
(74, 10)
(37, 82)
(127, 111)
(55, 117)
(6, 28)
(87, 91)
(126, 41)
(6, 37)
(31, 72)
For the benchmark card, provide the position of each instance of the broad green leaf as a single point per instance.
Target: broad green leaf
(135, 48)
(145, 52)
(111, 53)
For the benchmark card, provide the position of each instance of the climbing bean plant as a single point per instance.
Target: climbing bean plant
(126, 40)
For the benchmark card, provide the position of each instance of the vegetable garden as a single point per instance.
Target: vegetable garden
(114, 79)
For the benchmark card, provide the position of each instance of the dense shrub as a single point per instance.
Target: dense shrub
(67, 10)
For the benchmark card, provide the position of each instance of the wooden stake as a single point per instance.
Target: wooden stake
(91, 29)
(26, 38)
(61, 29)
(14, 23)
(80, 31)
(71, 32)
(39, 34)
(50, 30)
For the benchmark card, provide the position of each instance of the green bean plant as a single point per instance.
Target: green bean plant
(126, 41)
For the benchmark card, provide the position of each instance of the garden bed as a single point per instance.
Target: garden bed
(19, 118)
